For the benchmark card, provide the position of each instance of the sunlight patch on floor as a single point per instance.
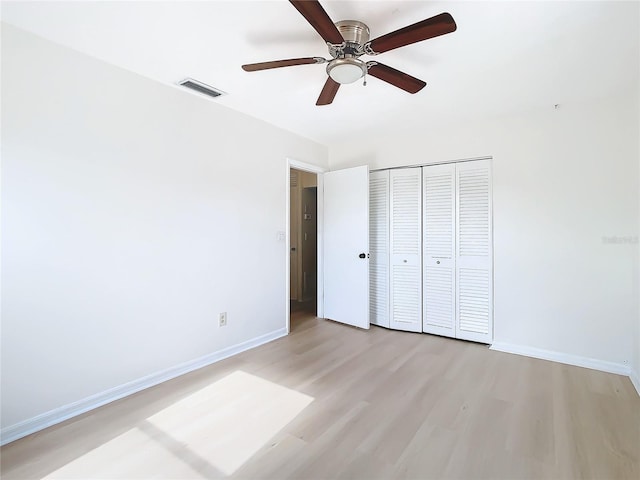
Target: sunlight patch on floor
(211, 433)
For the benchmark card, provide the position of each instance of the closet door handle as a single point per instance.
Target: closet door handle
(363, 255)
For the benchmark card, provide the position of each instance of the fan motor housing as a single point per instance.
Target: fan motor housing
(353, 31)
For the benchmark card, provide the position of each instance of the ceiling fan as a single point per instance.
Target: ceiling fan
(348, 40)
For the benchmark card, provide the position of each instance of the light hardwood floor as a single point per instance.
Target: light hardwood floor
(330, 401)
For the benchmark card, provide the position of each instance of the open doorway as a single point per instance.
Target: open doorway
(303, 236)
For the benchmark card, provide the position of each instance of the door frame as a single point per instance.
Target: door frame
(306, 167)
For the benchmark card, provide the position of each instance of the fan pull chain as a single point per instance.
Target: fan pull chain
(364, 84)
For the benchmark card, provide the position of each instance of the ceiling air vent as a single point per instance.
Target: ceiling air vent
(200, 87)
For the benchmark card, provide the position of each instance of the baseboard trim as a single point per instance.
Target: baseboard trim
(58, 415)
(578, 361)
(635, 380)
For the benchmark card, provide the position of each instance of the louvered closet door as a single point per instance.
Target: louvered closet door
(406, 249)
(474, 279)
(438, 246)
(379, 248)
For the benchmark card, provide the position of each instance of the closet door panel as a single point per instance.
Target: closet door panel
(474, 278)
(438, 213)
(406, 249)
(379, 248)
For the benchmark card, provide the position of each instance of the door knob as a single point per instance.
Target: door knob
(363, 255)
(438, 262)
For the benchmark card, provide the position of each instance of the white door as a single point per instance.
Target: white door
(438, 213)
(474, 277)
(379, 248)
(346, 246)
(406, 249)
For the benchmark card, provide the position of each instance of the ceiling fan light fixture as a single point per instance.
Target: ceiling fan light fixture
(346, 70)
(347, 40)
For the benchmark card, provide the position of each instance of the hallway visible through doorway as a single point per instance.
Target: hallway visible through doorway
(304, 241)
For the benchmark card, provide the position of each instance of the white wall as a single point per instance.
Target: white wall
(563, 180)
(132, 214)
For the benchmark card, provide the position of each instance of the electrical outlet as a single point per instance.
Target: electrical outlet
(222, 320)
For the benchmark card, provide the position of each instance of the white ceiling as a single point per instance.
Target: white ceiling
(505, 56)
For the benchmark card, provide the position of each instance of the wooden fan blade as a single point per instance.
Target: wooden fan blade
(318, 18)
(396, 78)
(429, 28)
(254, 67)
(328, 92)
